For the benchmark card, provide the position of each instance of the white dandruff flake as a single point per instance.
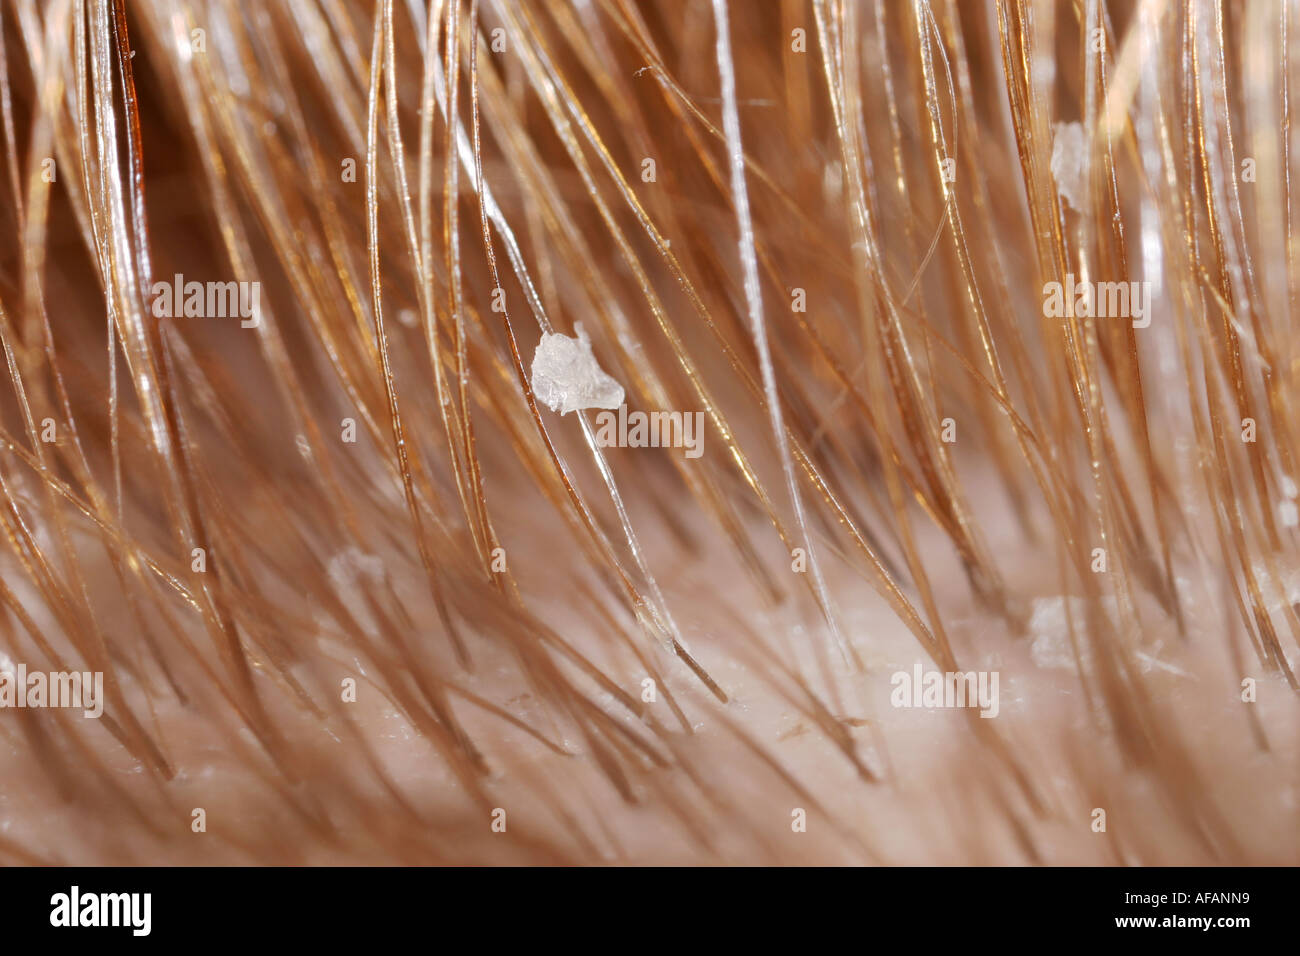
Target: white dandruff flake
(566, 377)
(1067, 162)
(1288, 514)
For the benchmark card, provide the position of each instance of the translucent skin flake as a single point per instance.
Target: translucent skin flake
(566, 377)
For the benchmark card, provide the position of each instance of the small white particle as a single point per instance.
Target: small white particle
(1067, 162)
(352, 564)
(1288, 514)
(566, 377)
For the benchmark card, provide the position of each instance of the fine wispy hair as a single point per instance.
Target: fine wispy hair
(990, 311)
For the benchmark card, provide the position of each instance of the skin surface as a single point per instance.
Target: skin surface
(937, 799)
